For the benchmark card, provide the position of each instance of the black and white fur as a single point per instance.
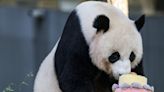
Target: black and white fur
(95, 48)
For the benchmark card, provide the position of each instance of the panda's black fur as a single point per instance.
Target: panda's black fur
(73, 67)
(75, 71)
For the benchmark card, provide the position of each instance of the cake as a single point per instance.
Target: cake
(132, 83)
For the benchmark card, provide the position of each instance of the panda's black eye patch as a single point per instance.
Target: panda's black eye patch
(114, 57)
(132, 57)
(101, 23)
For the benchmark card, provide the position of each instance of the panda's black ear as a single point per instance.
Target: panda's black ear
(101, 23)
(140, 22)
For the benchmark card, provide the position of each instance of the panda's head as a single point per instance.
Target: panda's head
(114, 41)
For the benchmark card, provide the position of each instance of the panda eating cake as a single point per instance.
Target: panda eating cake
(98, 44)
(132, 83)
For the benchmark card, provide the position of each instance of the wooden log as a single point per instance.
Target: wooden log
(120, 4)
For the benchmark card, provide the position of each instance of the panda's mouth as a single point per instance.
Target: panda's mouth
(116, 76)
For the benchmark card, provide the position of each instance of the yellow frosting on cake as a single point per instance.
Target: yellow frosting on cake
(132, 78)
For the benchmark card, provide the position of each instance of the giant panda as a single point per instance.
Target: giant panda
(99, 43)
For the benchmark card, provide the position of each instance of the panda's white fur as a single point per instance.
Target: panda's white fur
(122, 36)
(46, 79)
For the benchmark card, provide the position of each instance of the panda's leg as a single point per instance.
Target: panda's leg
(46, 80)
(78, 76)
(76, 84)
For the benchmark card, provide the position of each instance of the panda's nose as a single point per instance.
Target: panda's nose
(120, 74)
(124, 72)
